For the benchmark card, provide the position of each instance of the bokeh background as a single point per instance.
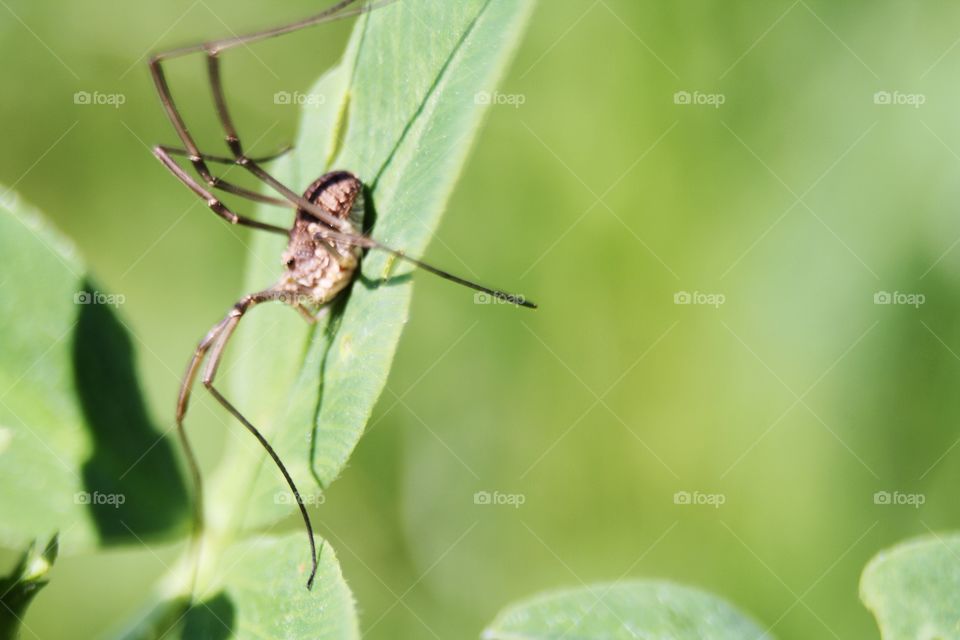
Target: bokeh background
(602, 196)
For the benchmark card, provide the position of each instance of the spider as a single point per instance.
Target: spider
(325, 241)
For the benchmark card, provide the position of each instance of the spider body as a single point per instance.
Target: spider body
(318, 266)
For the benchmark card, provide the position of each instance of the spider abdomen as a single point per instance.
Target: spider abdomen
(319, 267)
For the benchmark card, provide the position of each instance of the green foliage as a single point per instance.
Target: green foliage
(598, 108)
(256, 595)
(79, 451)
(406, 135)
(311, 390)
(913, 589)
(624, 610)
(20, 586)
(400, 112)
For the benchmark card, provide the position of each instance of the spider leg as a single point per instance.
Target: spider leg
(183, 401)
(311, 317)
(192, 152)
(369, 243)
(213, 345)
(219, 183)
(212, 201)
(240, 158)
(342, 9)
(176, 151)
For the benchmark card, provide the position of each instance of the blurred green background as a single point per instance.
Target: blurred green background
(797, 199)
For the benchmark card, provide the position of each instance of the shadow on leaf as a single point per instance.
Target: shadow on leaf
(212, 619)
(133, 485)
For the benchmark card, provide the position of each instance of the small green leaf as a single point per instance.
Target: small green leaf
(625, 610)
(913, 589)
(18, 588)
(259, 593)
(78, 450)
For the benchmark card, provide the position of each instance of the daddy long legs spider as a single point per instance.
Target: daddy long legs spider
(325, 241)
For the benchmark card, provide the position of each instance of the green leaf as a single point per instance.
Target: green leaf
(78, 450)
(259, 593)
(19, 588)
(913, 589)
(400, 111)
(625, 610)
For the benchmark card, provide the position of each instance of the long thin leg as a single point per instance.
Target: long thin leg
(340, 10)
(197, 159)
(370, 243)
(183, 401)
(226, 329)
(233, 143)
(175, 151)
(212, 201)
(221, 184)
